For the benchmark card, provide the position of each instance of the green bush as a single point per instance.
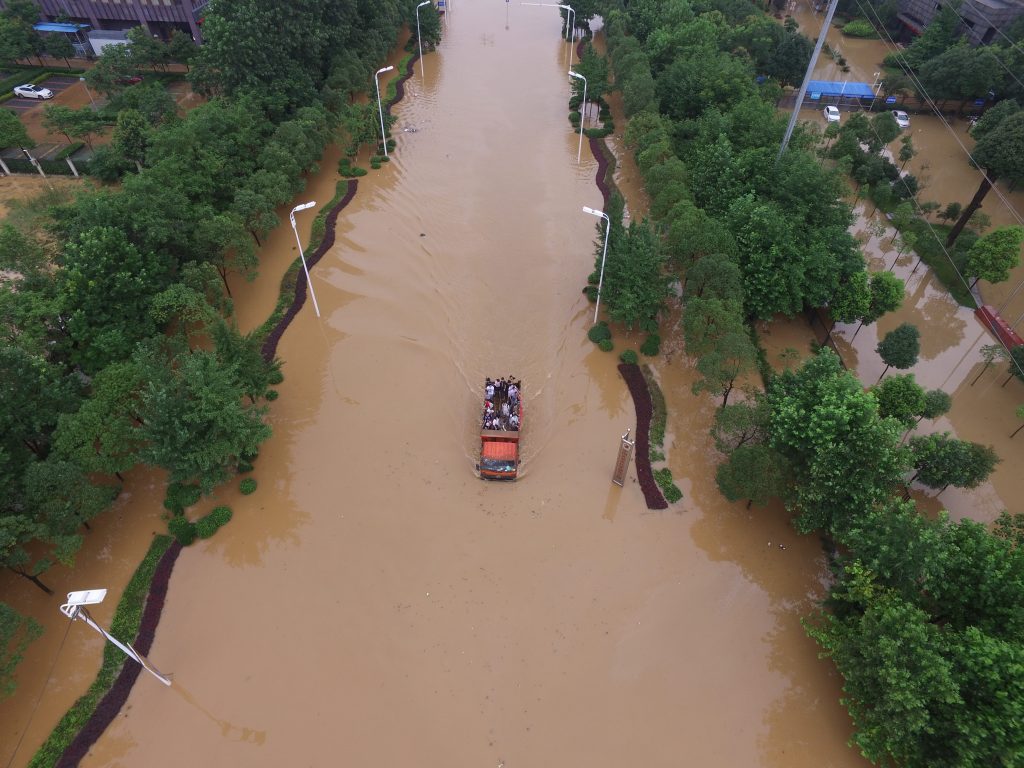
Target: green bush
(663, 477)
(375, 164)
(593, 278)
(181, 529)
(271, 395)
(598, 133)
(599, 333)
(659, 410)
(275, 377)
(606, 345)
(206, 527)
(574, 118)
(247, 486)
(655, 454)
(221, 515)
(628, 357)
(244, 466)
(651, 345)
(859, 28)
(180, 496)
(591, 293)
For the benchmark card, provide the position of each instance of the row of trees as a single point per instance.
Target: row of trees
(119, 343)
(914, 616)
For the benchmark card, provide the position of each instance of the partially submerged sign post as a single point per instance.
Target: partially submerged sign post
(622, 460)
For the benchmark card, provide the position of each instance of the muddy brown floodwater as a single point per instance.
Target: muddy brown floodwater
(374, 603)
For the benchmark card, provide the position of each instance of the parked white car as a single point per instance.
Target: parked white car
(902, 118)
(29, 91)
(832, 114)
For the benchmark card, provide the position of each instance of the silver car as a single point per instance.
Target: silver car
(30, 91)
(902, 118)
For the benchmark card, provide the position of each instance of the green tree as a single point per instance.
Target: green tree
(193, 421)
(181, 48)
(714, 277)
(112, 69)
(147, 50)
(883, 131)
(13, 132)
(101, 436)
(429, 27)
(940, 35)
(706, 320)
(936, 403)
(844, 458)
(733, 356)
(635, 286)
(895, 672)
(992, 256)
(962, 72)
(740, 424)
(1000, 153)
(59, 493)
(131, 137)
(58, 46)
(106, 287)
(900, 347)
(752, 472)
(1019, 413)
(900, 398)
(16, 633)
(594, 67)
(942, 461)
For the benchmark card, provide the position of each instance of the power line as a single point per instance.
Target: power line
(934, 107)
(952, 263)
(39, 698)
(1001, 62)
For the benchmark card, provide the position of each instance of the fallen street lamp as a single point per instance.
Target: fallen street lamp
(309, 281)
(583, 109)
(604, 253)
(419, 40)
(380, 109)
(74, 608)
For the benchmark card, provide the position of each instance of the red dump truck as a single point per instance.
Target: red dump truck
(501, 423)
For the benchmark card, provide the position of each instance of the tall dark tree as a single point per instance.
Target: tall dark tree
(900, 347)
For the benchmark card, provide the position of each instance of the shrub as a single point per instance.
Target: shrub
(663, 477)
(244, 466)
(356, 172)
(181, 529)
(591, 292)
(606, 345)
(221, 515)
(628, 357)
(249, 455)
(859, 28)
(599, 333)
(247, 486)
(275, 377)
(651, 345)
(375, 164)
(659, 410)
(179, 496)
(598, 133)
(655, 454)
(574, 118)
(271, 395)
(593, 278)
(206, 527)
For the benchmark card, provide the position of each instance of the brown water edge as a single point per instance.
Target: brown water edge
(409, 612)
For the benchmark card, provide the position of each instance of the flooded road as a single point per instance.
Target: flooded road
(374, 602)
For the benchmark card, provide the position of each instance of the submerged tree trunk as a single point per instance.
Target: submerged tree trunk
(34, 579)
(975, 204)
(1018, 429)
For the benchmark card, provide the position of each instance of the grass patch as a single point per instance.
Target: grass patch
(659, 410)
(125, 624)
(930, 248)
(663, 477)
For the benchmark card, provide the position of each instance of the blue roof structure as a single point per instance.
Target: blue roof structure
(53, 26)
(836, 88)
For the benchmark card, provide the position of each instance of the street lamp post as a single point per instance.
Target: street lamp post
(309, 281)
(604, 253)
(419, 40)
(86, 86)
(578, 76)
(380, 109)
(570, 13)
(74, 608)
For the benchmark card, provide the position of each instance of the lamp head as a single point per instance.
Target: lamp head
(388, 68)
(304, 206)
(81, 598)
(425, 2)
(576, 75)
(592, 211)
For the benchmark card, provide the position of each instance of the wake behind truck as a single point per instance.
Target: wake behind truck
(501, 423)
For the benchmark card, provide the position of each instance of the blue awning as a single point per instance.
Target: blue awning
(839, 88)
(53, 26)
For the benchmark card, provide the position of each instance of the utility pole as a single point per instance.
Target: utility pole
(807, 78)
